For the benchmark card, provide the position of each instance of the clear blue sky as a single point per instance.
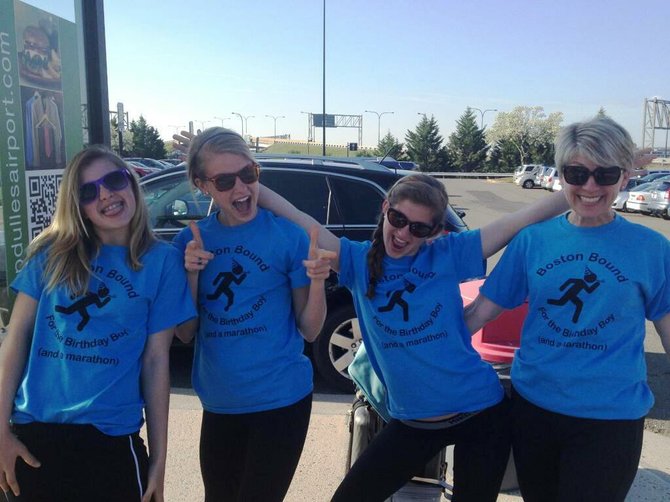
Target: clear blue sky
(175, 61)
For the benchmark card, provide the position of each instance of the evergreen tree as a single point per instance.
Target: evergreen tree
(424, 146)
(389, 146)
(467, 145)
(602, 113)
(146, 141)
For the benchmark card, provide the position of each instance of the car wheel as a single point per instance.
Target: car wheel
(336, 347)
(528, 184)
(625, 209)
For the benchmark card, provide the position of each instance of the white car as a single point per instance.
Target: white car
(556, 185)
(638, 198)
(548, 178)
(526, 174)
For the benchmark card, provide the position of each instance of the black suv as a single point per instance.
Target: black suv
(343, 194)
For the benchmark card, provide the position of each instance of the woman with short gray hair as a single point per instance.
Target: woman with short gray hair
(580, 392)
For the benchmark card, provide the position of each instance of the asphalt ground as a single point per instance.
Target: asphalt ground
(322, 464)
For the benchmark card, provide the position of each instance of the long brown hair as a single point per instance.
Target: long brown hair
(419, 189)
(71, 241)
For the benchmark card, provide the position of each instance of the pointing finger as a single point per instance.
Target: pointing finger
(313, 242)
(197, 237)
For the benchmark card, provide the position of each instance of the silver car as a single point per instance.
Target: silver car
(659, 202)
(548, 178)
(638, 198)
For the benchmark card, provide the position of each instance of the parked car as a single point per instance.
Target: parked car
(548, 178)
(659, 202)
(556, 185)
(140, 169)
(638, 198)
(343, 194)
(526, 174)
(620, 203)
(653, 176)
(540, 175)
(156, 164)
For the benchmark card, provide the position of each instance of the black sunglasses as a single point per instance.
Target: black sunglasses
(603, 176)
(225, 182)
(416, 228)
(114, 181)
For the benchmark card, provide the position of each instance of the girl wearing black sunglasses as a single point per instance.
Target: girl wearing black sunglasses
(411, 316)
(259, 298)
(87, 349)
(580, 390)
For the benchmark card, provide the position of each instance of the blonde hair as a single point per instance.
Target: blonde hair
(214, 140)
(70, 240)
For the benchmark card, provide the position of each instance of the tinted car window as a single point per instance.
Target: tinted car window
(360, 203)
(308, 192)
(172, 203)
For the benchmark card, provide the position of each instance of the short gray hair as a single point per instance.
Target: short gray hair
(600, 140)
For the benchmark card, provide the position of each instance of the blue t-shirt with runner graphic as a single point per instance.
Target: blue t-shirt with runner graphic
(86, 353)
(248, 350)
(589, 291)
(414, 331)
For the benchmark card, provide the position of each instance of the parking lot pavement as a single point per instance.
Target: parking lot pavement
(321, 466)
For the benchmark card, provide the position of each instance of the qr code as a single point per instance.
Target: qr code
(42, 192)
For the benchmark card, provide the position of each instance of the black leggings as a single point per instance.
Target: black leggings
(564, 458)
(481, 450)
(251, 457)
(80, 463)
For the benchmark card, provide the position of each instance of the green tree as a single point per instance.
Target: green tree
(146, 141)
(528, 129)
(390, 146)
(467, 145)
(602, 113)
(127, 139)
(424, 146)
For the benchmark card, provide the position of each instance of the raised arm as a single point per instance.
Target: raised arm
(277, 204)
(497, 234)
(479, 312)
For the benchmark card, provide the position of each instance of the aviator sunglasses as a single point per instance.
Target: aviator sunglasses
(226, 181)
(603, 176)
(416, 228)
(114, 181)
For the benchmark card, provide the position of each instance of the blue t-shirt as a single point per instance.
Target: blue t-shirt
(248, 350)
(414, 331)
(86, 354)
(589, 291)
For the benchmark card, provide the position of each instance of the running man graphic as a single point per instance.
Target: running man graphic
(99, 299)
(588, 284)
(397, 299)
(225, 279)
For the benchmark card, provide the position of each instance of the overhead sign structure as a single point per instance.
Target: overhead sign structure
(40, 121)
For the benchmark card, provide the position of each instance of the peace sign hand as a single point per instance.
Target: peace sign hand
(195, 256)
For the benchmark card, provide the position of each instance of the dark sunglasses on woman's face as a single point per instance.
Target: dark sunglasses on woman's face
(579, 175)
(225, 182)
(114, 181)
(416, 228)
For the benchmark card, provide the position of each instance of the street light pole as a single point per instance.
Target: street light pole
(379, 123)
(275, 117)
(222, 119)
(482, 112)
(244, 121)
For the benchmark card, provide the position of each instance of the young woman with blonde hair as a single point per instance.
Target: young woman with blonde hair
(87, 349)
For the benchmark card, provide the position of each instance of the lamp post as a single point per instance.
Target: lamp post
(275, 117)
(379, 123)
(482, 112)
(221, 119)
(244, 120)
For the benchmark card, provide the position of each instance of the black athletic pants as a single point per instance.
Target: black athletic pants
(564, 458)
(481, 450)
(251, 457)
(80, 463)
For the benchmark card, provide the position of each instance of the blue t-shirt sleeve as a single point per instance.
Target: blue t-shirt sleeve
(657, 297)
(30, 280)
(467, 253)
(507, 285)
(173, 303)
(182, 238)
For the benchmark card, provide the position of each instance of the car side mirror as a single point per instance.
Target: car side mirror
(177, 207)
(461, 214)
